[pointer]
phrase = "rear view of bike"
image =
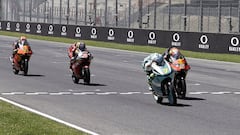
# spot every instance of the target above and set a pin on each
(80, 68)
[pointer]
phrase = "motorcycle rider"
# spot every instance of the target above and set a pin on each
(146, 64)
(19, 44)
(170, 53)
(74, 49)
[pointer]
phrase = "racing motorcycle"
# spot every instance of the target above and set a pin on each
(180, 66)
(21, 59)
(162, 82)
(81, 67)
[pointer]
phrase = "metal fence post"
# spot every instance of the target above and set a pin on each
(95, 12)
(169, 14)
(76, 17)
(60, 12)
(1, 11)
(129, 13)
(30, 11)
(85, 17)
(239, 16)
(201, 16)
(140, 4)
(24, 10)
(155, 14)
(45, 11)
(185, 16)
(68, 12)
(219, 16)
(52, 11)
(116, 12)
(106, 13)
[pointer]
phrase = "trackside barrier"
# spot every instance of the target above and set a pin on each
(193, 41)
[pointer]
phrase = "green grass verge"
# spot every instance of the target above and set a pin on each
(16, 121)
(139, 48)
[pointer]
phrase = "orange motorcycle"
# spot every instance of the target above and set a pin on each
(81, 67)
(180, 66)
(21, 59)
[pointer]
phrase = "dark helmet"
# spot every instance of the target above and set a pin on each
(82, 46)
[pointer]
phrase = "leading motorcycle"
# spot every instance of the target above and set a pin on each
(81, 67)
(162, 82)
(21, 59)
(180, 66)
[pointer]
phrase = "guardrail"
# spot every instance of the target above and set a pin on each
(193, 41)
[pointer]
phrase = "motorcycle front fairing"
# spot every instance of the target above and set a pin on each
(163, 74)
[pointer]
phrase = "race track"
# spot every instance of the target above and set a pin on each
(118, 101)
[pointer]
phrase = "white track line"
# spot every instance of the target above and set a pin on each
(48, 116)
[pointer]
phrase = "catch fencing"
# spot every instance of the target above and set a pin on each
(212, 16)
(196, 25)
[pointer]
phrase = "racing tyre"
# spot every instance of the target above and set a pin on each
(75, 79)
(87, 75)
(15, 71)
(158, 99)
(182, 93)
(180, 88)
(172, 95)
(25, 67)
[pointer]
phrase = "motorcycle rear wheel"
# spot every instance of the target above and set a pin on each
(75, 79)
(172, 98)
(25, 67)
(86, 76)
(158, 99)
(15, 71)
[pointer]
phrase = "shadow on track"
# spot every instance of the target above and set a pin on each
(177, 105)
(92, 84)
(192, 98)
(33, 75)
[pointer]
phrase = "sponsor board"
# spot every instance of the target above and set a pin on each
(234, 47)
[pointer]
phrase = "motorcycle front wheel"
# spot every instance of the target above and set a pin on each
(172, 95)
(181, 88)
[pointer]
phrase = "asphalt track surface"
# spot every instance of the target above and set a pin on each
(117, 102)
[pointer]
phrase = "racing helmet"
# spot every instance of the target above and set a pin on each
(173, 51)
(159, 59)
(82, 46)
(22, 38)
